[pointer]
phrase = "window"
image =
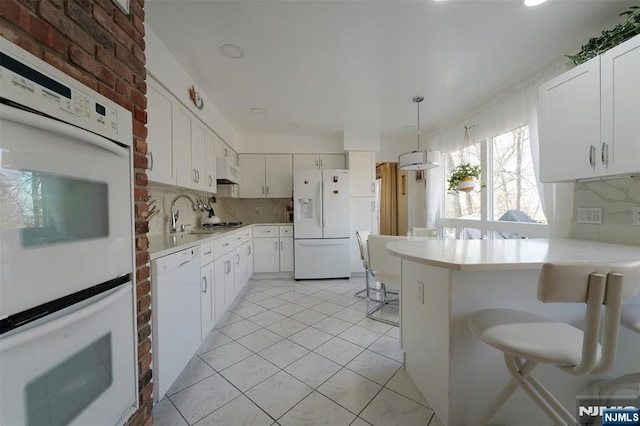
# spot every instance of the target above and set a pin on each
(509, 205)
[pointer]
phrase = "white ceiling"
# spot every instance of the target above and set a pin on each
(331, 65)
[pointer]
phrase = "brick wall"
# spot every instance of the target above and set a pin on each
(97, 44)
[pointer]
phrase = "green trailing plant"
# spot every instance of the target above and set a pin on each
(630, 27)
(462, 172)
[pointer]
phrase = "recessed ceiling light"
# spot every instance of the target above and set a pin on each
(295, 125)
(410, 127)
(232, 51)
(258, 110)
(533, 2)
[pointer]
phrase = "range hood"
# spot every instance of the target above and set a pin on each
(226, 172)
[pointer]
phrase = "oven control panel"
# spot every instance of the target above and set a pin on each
(32, 83)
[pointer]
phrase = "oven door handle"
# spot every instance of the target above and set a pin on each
(50, 125)
(46, 328)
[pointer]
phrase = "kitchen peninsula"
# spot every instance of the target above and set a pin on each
(443, 281)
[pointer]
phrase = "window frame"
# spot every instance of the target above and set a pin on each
(488, 227)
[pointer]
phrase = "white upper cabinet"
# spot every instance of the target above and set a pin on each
(318, 161)
(278, 176)
(362, 167)
(252, 167)
(589, 117)
(210, 179)
(159, 136)
(620, 71)
(266, 176)
(198, 154)
(182, 145)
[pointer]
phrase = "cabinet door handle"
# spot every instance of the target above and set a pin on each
(321, 165)
(267, 189)
(228, 267)
(373, 206)
(317, 165)
(193, 175)
(150, 161)
(226, 244)
(276, 246)
(248, 250)
(207, 252)
(205, 284)
(263, 189)
(210, 180)
(281, 243)
(604, 155)
(592, 156)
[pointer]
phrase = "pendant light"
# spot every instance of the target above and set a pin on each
(419, 160)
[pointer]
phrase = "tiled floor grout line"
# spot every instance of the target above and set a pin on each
(238, 306)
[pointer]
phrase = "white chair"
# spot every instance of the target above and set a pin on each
(630, 318)
(362, 237)
(528, 339)
(385, 269)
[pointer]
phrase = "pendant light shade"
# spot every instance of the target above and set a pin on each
(419, 160)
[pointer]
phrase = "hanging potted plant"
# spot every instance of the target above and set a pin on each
(463, 178)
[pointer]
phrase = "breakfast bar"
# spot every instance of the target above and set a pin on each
(444, 281)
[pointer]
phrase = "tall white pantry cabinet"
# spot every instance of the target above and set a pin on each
(362, 168)
(589, 117)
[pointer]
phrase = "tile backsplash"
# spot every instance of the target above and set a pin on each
(270, 210)
(616, 197)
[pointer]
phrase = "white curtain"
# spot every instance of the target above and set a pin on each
(511, 109)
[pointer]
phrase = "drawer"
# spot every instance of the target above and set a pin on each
(241, 238)
(206, 253)
(286, 230)
(265, 231)
(224, 245)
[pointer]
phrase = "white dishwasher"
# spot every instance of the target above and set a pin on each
(176, 315)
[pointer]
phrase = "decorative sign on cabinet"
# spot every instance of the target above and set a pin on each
(589, 118)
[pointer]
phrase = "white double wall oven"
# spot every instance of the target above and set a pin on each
(67, 310)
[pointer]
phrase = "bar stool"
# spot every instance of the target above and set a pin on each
(630, 318)
(528, 339)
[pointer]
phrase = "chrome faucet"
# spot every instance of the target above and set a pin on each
(175, 212)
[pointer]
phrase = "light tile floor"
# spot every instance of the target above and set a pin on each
(297, 353)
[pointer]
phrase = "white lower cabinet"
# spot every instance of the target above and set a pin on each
(267, 254)
(286, 254)
(207, 307)
(224, 283)
(273, 245)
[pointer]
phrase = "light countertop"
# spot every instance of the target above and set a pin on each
(479, 255)
(164, 244)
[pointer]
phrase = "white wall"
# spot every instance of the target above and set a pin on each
(302, 144)
(162, 65)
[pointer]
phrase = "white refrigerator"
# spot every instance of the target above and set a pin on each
(321, 224)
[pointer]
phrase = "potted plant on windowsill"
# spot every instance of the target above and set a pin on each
(463, 178)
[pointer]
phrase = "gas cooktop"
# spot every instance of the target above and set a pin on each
(210, 228)
(221, 225)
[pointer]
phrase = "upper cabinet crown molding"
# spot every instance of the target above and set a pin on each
(589, 118)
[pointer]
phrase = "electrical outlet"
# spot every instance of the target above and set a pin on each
(259, 210)
(591, 215)
(635, 214)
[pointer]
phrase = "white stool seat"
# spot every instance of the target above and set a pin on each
(529, 336)
(630, 317)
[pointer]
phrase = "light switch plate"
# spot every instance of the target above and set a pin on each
(635, 213)
(591, 215)
(420, 292)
